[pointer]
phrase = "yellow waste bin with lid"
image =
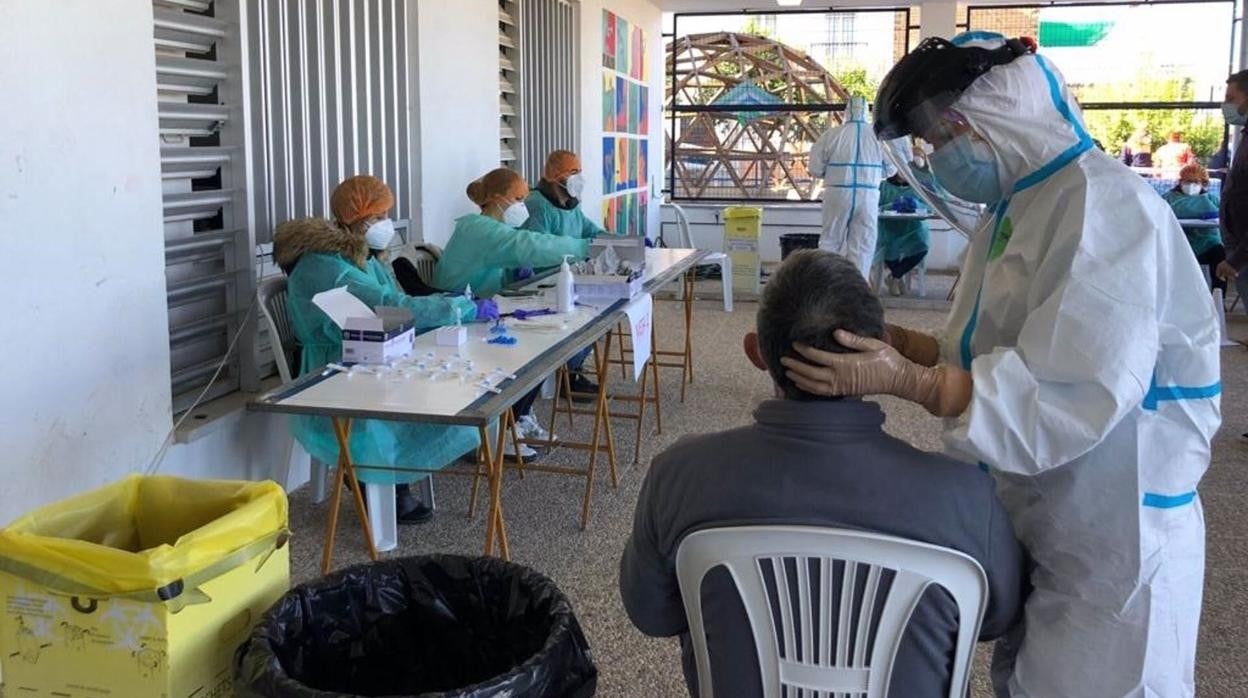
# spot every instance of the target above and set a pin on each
(743, 226)
(145, 587)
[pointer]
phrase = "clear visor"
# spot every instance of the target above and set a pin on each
(910, 156)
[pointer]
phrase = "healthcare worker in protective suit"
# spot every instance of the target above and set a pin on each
(902, 244)
(319, 255)
(487, 247)
(851, 162)
(555, 205)
(1079, 365)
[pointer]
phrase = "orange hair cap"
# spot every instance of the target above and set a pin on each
(360, 197)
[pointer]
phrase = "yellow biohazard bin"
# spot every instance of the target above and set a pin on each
(743, 227)
(141, 588)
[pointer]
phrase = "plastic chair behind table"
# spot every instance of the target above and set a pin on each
(272, 296)
(413, 270)
(413, 266)
(798, 586)
(721, 259)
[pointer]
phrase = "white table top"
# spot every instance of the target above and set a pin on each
(436, 384)
(916, 216)
(1199, 223)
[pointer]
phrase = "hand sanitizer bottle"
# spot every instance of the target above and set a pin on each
(563, 288)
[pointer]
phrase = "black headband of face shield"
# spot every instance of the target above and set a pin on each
(929, 79)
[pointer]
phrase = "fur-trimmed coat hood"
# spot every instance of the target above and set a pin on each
(293, 239)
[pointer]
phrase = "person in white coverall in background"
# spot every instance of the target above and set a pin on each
(851, 162)
(1079, 365)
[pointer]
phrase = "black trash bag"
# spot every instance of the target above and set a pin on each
(437, 625)
(793, 242)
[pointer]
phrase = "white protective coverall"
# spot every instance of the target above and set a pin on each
(1087, 327)
(851, 162)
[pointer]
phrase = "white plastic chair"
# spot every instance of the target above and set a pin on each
(423, 256)
(272, 296)
(720, 259)
(772, 565)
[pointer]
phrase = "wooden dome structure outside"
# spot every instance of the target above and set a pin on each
(725, 149)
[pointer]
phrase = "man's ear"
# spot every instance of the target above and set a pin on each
(752, 351)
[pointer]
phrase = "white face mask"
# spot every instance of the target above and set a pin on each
(575, 184)
(379, 234)
(516, 214)
(1191, 188)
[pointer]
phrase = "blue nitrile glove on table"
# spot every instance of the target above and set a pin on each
(906, 204)
(487, 309)
(524, 273)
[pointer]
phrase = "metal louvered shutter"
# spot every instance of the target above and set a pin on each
(330, 95)
(209, 251)
(550, 98)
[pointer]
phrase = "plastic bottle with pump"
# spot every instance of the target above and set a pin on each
(565, 297)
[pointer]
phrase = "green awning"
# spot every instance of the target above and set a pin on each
(1072, 34)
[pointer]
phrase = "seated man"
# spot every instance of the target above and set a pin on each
(816, 462)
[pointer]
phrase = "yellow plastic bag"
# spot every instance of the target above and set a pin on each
(141, 534)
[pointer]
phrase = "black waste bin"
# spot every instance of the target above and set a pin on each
(792, 242)
(437, 625)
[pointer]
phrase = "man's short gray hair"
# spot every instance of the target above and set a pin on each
(812, 295)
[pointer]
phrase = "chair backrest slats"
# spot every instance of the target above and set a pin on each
(828, 607)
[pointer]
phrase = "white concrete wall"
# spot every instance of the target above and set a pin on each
(456, 102)
(86, 385)
(939, 19)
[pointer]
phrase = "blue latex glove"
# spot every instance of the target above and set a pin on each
(1210, 216)
(487, 309)
(905, 204)
(524, 273)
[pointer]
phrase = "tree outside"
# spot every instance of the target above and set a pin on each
(1202, 130)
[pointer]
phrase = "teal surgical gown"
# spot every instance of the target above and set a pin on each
(546, 217)
(373, 442)
(1200, 206)
(899, 239)
(482, 250)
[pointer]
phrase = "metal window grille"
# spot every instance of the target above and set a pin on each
(331, 99)
(549, 75)
(209, 259)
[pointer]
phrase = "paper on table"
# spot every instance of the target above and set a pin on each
(640, 320)
(339, 304)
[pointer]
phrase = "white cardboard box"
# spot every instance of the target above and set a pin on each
(389, 336)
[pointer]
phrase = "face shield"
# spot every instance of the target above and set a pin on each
(917, 99)
(912, 162)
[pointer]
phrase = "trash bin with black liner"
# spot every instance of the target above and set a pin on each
(436, 625)
(791, 242)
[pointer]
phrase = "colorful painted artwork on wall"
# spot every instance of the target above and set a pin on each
(625, 126)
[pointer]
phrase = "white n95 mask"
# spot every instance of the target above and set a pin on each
(516, 214)
(575, 184)
(1191, 188)
(379, 234)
